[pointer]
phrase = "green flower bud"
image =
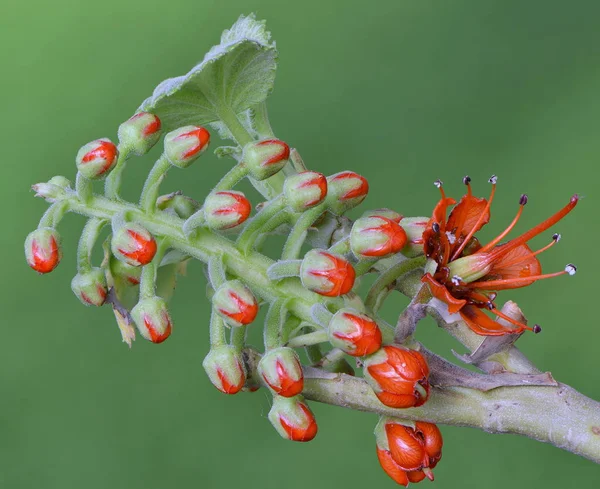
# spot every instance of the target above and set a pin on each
(140, 132)
(265, 158)
(345, 191)
(181, 205)
(225, 369)
(96, 159)
(280, 368)
(152, 319)
(42, 249)
(184, 145)
(226, 209)
(305, 190)
(90, 287)
(235, 303)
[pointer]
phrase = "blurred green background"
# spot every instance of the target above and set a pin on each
(404, 92)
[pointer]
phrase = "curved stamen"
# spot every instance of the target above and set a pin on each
(492, 284)
(540, 228)
(555, 239)
(458, 251)
(500, 237)
(513, 321)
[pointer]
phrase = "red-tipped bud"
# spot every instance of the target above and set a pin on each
(226, 209)
(384, 212)
(399, 376)
(124, 273)
(414, 227)
(133, 244)
(178, 204)
(408, 451)
(376, 236)
(235, 303)
(152, 319)
(293, 419)
(42, 249)
(90, 287)
(326, 274)
(345, 191)
(96, 159)
(281, 370)
(265, 158)
(225, 369)
(140, 132)
(184, 145)
(305, 190)
(354, 333)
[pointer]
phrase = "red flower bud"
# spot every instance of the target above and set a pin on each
(345, 191)
(281, 370)
(184, 145)
(226, 209)
(354, 333)
(384, 212)
(326, 274)
(235, 303)
(42, 249)
(134, 245)
(305, 190)
(376, 236)
(399, 376)
(408, 452)
(90, 287)
(293, 419)
(95, 160)
(265, 158)
(140, 132)
(152, 319)
(225, 369)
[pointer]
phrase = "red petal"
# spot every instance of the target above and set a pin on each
(463, 218)
(517, 263)
(441, 293)
(406, 448)
(479, 322)
(439, 212)
(391, 468)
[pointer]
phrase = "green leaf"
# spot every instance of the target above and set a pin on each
(233, 76)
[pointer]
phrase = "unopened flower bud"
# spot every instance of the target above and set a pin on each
(90, 287)
(265, 158)
(293, 419)
(408, 452)
(128, 274)
(414, 228)
(376, 236)
(305, 190)
(326, 274)
(235, 303)
(181, 205)
(96, 159)
(384, 212)
(52, 190)
(42, 249)
(345, 191)
(280, 368)
(226, 209)
(152, 319)
(354, 333)
(399, 376)
(225, 369)
(140, 132)
(184, 145)
(133, 244)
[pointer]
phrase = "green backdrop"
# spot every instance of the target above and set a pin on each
(401, 91)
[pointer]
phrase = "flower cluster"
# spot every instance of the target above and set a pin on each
(310, 295)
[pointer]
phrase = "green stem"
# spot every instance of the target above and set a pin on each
(237, 338)
(148, 281)
(248, 236)
(152, 185)
(341, 247)
(293, 245)
(112, 185)
(261, 121)
(196, 220)
(54, 214)
(89, 236)
(216, 271)
(232, 177)
(379, 290)
(284, 269)
(308, 339)
(217, 330)
(276, 317)
(83, 187)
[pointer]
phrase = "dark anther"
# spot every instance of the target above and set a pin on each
(490, 305)
(436, 227)
(467, 180)
(523, 200)
(438, 183)
(556, 237)
(493, 179)
(537, 328)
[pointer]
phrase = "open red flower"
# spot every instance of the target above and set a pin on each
(469, 274)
